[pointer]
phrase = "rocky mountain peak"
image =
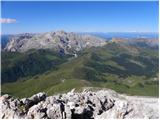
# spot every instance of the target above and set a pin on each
(61, 32)
(103, 104)
(68, 43)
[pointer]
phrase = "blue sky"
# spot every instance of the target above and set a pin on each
(80, 16)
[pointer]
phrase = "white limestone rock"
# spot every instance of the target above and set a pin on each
(102, 104)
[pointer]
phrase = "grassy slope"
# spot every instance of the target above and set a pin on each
(16, 66)
(50, 82)
(113, 66)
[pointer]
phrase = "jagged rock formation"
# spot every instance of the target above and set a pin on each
(59, 41)
(87, 104)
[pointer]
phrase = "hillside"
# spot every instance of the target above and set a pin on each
(16, 66)
(122, 67)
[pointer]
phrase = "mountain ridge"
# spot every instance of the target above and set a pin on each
(68, 43)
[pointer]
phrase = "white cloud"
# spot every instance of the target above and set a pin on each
(7, 20)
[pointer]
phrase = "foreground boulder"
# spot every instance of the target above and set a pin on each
(101, 104)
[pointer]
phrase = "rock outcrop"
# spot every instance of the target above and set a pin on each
(101, 104)
(69, 43)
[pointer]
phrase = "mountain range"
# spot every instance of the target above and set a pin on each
(56, 62)
(59, 41)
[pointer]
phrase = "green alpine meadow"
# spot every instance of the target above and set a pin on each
(126, 68)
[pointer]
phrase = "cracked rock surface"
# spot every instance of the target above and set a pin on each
(102, 104)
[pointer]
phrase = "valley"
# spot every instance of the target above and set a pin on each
(118, 64)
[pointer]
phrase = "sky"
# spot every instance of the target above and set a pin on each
(20, 17)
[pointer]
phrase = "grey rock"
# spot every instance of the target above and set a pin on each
(54, 112)
(68, 113)
(36, 112)
(6, 96)
(102, 104)
(65, 43)
(38, 97)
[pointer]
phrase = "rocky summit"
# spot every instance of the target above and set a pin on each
(68, 43)
(102, 104)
